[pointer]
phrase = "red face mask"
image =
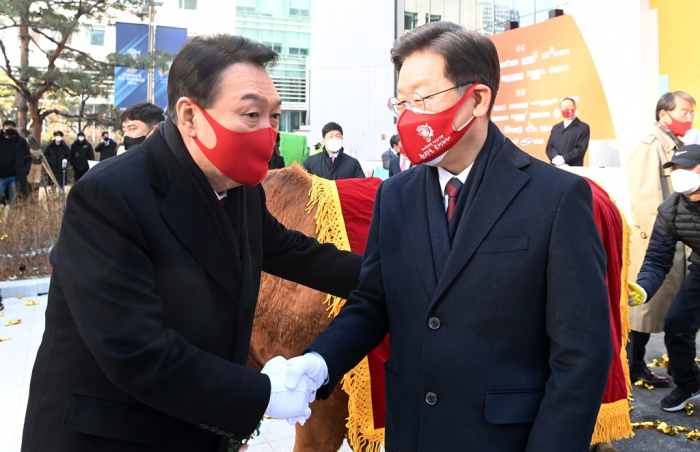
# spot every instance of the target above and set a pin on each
(679, 128)
(568, 113)
(242, 157)
(426, 138)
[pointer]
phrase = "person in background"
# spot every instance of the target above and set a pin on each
(107, 147)
(333, 163)
(138, 123)
(392, 152)
(80, 152)
(650, 184)
(277, 161)
(568, 141)
(55, 153)
(401, 163)
(677, 222)
(15, 161)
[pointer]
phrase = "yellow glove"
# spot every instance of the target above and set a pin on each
(637, 294)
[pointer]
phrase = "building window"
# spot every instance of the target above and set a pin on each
(296, 51)
(95, 35)
(410, 20)
(187, 4)
(276, 46)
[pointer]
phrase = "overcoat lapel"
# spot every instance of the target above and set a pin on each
(502, 181)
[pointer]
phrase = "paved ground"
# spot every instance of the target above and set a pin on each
(17, 358)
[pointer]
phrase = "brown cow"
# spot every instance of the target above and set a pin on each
(289, 316)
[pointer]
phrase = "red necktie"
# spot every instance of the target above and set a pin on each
(452, 190)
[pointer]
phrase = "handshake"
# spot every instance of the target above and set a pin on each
(293, 386)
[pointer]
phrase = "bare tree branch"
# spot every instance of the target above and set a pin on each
(10, 85)
(98, 63)
(8, 70)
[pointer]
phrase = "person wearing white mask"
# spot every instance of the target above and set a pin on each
(333, 163)
(56, 151)
(677, 222)
(80, 152)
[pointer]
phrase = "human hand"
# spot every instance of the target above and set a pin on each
(637, 294)
(288, 403)
(311, 365)
(558, 160)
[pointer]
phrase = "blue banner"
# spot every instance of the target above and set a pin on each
(130, 83)
(169, 39)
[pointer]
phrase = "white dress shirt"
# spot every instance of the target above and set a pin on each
(444, 176)
(567, 122)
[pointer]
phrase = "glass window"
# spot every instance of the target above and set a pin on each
(95, 35)
(187, 4)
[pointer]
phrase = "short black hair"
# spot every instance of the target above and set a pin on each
(331, 126)
(104, 131)
(469, 57)
(58, 133)
(9, 122)
(81, 133)
(394, 140)
(567, 98)
(667, 102)
(197, 67)
(146, 112)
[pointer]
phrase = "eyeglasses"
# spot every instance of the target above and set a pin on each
(415, 102)
(689, 115)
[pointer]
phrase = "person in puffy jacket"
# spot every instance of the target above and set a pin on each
(678, 220)
(80, 152)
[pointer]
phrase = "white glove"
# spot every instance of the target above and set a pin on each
(288, 403)
(311, 365)
(691, 137)
(558, 160)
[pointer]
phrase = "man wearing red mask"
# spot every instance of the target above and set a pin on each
(650, 184)
(568, 141)
(157, 271)
(498, 320)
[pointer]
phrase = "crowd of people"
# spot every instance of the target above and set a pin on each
(470, 238)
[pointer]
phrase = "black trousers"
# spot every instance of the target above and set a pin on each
(680, 329)
(78, 174)
(636, 349)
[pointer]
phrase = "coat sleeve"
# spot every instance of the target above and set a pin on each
(644, 180)
(25, 162)
(658, 260)
(148, 361)
(363, 322)
(359, 172)
(551, 151)
(293, 256)
(581, 146)
(386, 158)
(578, 325)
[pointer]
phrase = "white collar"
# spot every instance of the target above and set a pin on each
(444, 176)
(221, 196)
(567, 122)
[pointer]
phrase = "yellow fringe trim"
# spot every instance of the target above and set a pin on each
(624, 302)
(330, 228)
(613, 422)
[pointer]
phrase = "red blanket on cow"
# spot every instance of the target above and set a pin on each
(343, 218)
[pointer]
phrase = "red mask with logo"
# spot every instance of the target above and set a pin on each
(426, 138)
(568, 113)
(240, 156)
(679, 128)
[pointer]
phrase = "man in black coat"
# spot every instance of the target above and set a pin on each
(568, 141)
(80, 152)
(332, 162)
(399, 163)
(55, 152)
(392, 152)
(677, 221)
(107, 148)
(157, 271)
(493, 295)
(15, 161)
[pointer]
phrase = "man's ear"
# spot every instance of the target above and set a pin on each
(482, 97)
(185, 109)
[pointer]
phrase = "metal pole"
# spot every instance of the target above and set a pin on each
(493, 18)
(151, 48)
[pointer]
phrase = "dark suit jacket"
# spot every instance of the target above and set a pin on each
(387, 156)
(106, 150)
(151, 306)
(570, 142)
(344, 167)
(500, 340)
(395, 166)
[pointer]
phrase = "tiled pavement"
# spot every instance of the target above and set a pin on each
(17, 359)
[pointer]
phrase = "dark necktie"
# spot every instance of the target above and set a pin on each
(452, 190)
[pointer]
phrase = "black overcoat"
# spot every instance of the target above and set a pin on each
(344, 167)
(151, 305)
(569, 142)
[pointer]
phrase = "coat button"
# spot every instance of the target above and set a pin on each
(431, 398)
(204, 426)
(644, 235)
(213, 429)
(434, 323)
(221, 432)
(229, 435)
